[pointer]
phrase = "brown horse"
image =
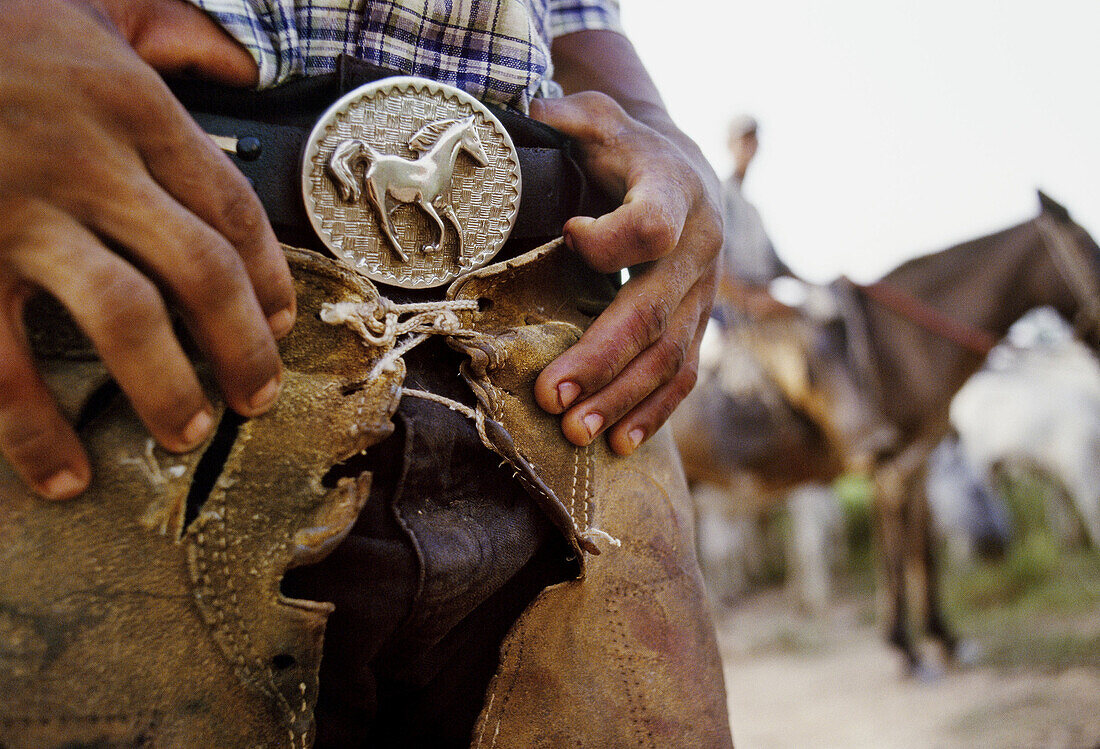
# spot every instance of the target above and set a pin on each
(913, 340)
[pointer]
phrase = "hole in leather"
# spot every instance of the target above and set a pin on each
(353, 388)
(283, 661)
(484, 304)
(350, 468)
(211, 465)
(97, 403)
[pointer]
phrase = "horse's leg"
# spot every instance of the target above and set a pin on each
(904, 495)
(891, 538)
(451, 216)
(380, 201)
(938, 627)
(893, 483)
(430, 210)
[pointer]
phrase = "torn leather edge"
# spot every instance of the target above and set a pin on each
(475, 372)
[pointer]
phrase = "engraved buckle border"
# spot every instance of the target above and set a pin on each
(349, 212)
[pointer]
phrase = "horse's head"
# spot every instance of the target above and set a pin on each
(470, 141)
(1076, 257)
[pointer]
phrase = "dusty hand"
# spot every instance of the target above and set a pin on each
(639, 359)
(114, 202)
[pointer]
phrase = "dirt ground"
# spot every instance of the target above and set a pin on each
(829, 681)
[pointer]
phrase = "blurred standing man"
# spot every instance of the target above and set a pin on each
(119, 206)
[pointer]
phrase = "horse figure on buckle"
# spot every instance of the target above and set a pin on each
(393, 180)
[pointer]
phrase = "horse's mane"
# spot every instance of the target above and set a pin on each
(938, 270)
(425, 137)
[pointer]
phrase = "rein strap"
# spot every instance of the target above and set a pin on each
(897, 299)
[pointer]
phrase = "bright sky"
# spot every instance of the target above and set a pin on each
(888, 129)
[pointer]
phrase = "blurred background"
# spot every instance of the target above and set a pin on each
(888, 130)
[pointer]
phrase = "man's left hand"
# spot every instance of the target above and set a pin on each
(639, 358)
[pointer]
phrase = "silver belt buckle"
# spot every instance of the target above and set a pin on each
(411, 182)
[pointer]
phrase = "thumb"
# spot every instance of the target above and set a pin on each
(590, 117)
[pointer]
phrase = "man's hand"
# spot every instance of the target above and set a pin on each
(639, 359)
(118, 205)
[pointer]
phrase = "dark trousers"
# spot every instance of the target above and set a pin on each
(446, 555)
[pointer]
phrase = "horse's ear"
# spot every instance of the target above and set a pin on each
(1049, 205)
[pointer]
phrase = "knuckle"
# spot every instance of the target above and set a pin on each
(173, 407)
(600, 104)
(129, 307)
(260, 355)
(711, 226)
(607, 370)
(682, 384)
(215, 275)
(670, 354)
(30, 442)
(673, 395)
(605, 119)
(139, 94)
(646, 322)
(656, 231)
(238, 212)
(94, 196)
(13, 388)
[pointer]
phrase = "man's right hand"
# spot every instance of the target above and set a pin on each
(117, 204)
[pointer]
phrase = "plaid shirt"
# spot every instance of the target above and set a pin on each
(495, 50)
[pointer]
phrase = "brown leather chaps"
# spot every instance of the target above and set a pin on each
(496, 587)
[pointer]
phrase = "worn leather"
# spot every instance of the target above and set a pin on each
(125, 622)
(531, 309)
(625, 655)
(123, 625)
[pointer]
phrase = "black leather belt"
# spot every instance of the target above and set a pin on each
(270, 129)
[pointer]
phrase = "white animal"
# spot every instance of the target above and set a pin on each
(1037, 403)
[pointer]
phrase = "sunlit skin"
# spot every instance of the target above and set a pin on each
(160, 217)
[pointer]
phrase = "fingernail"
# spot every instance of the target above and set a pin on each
(635, 437)
(281, 322)
(197, 429)
(593, 422)
(62, 485)
(567, 393)
(265, 396)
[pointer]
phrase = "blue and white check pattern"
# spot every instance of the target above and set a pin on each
(495, 50)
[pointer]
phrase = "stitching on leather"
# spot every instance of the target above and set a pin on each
(628, 672)
(587, 485)
(499, 396)
(573, 491)
(485, 722)
(508, 691)
(518, 474)
(205, 558)
(519, 643)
